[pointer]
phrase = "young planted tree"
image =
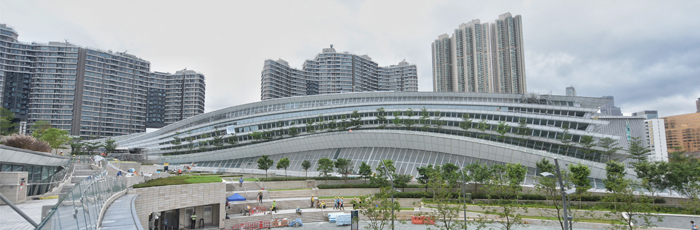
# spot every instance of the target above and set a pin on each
(232, 140)
(190, 142)
(408, 122)
(685, 179)
(505, 184)
(466, 123)
(355, 120)
(343, 124)
(381, 117)
(218, 139)
(39, 127)
(92, 146)
(381, 178)
(293, 131)
(614, 173)
(325, 166)
(655, 176)
(565, 139)
(523, 131)
(321, 123)
(365, 171)
(7, 125)
(609, 146)
(637, 149)
(344, 167)
(483, 126)
(377, 209)
(176, 140)
(633, 209)
(110, 145)
(548, 187)
(55, 137)
(587, 144)
(332, 124)
(443, 213)
(310, 126)
(480, 174)
(257, 136)
(437, 121)
(306, 165)
(397, 121)
(283, 164)
(579, 177)
(401, 181)
(424, 119)
(449, 174)
(424, 175)
(76, 146)
(268, 134)
(265, 163)
(502, 130)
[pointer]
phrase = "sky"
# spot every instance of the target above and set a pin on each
(644, 53)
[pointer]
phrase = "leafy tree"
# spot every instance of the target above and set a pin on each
(480, 174)
(483, 126)
(523, 130)
(444, 214)
(614, 173)
(7, 124)
(401, 180)
(381, 177)
(502, 129)
(92, 146)
(343, 124)
(265, 163)
(190, 140)
(637, 149)
(544, 166)
(587, 145)
(633, 209)
(377, 209)
(268, 134)
(310, 127)
(218, 139)
(547, 186)
(408, 122)
(579, 177)
(76, 146)
(257, 136)
(685, 179)
(283, 164)
(678, 155)
(466, 123)
(504, 183)
(424, 119)
(332, 124)
(321, 123)
(233, 139)
(355, 120)
(365, 171)
(110, 145)
(655, 176)
(306, 165)
(202, 144)
(344, 167)
(424, 175)
(397, 119)
(293, 131)
(438, 120)
(39, 127)
(565, 138)
(325, 166)
(449, 173)
(609, 146)
(176, 140)
(381, 117)
(55, 137)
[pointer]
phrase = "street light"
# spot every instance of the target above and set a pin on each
(464, 195)
(392, 192)
(563, 193)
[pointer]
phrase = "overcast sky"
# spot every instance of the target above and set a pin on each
(645, 53)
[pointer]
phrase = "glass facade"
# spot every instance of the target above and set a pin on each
(683, 131)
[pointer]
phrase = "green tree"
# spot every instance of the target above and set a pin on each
(283, 164)
(7, 125)
(655, 176)
(310, 126)
(587, 143)
(480, 174)
(502, 130)
(218, 139)
(325, 166)
(684, 178)
(76, 146)
(547, 186)
(424, 119)
(449, 174)
(408, 121)
(579, 177)
(381, 177)
(401, 181)
(55, 137)
(381, 117)
(306, 165)
(444, 214)
(397, 119)
(544, 166)
(614, 173)
(344, 167)
(523, 131)
(265, 163)
(377, 209)
(355, 120)
(437, 121)
(257, 136)
(424, 175)
(634, 210)
(365, 171)
(233, 139)
(268, 134)
(466, 123)
(176, 140)
(609, 146)
(321, 123)
(110, 145)
(678, 155)
(39, 127)
(505, 184)
(343, 124)
(92, 146)
(190, 141)
(637, 149)
(293, 131)
(332, 124)
(565, 139)
(483, 126)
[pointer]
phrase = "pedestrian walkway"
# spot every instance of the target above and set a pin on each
(10, 220)
(122, 214)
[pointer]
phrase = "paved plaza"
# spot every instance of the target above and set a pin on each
(10, 220)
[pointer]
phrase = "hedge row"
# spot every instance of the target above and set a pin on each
(324, 186)
(530, 197)
(302, 178)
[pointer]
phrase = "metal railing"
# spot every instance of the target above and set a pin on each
(80, 208)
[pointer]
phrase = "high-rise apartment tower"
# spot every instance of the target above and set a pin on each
(92, 92)
(481, 57)
(332, 72)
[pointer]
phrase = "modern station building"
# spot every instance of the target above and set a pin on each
(412, 128)
(92, 92)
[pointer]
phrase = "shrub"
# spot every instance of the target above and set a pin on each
(323, 186)
(176, 180)
(28, 143)
(301, 178)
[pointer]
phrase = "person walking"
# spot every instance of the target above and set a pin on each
(260, 196)
(240, 182)
(193, 220)
(341, 204)
(693, 226)
(312, 201)
(274, 206)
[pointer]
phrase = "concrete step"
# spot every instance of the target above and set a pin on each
(77, 179)
(307, 217)
(66, 188)
(292, 193)
(82, 167)
(84, 172)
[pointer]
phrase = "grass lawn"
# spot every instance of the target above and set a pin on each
(176, 180)
(249, 179)
(345, 197)
(289, 189)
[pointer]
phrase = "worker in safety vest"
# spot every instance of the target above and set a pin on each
(194, 220)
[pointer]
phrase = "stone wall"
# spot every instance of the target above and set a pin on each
(163, 198)
(10, 186)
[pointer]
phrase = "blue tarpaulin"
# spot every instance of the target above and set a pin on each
(235, 197)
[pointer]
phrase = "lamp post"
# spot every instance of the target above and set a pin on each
(563, 193)
(464, 196)
(392, 193)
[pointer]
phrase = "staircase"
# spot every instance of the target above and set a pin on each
(81, 172)
(307, 217)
